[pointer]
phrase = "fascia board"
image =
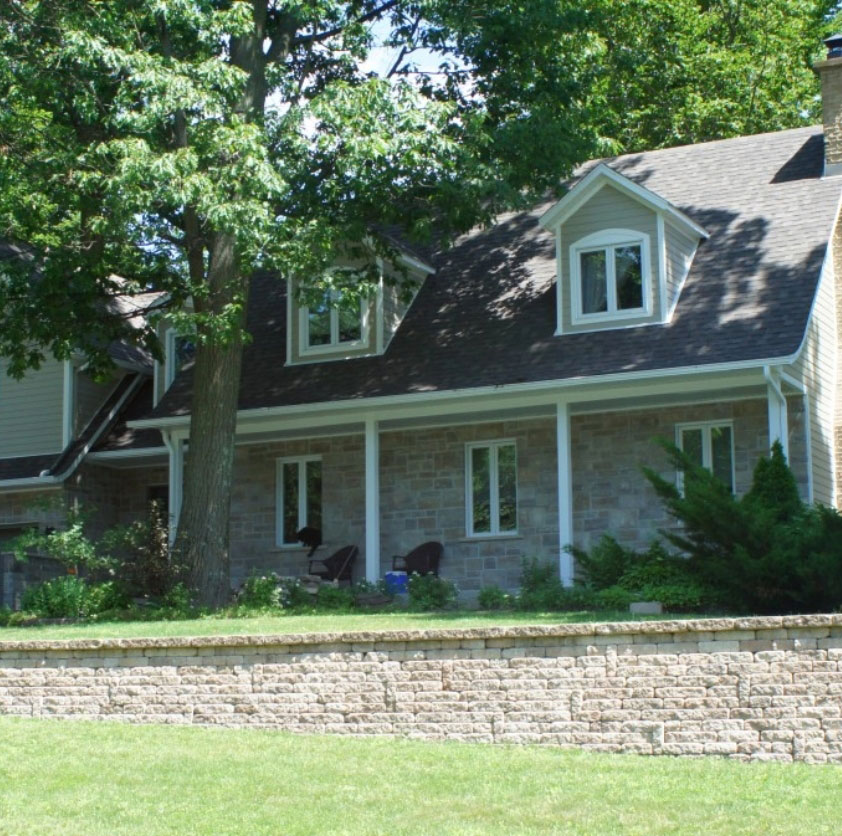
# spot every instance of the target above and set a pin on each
(595, 180)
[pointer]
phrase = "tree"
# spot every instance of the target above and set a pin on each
(184, 144)
(673, 72)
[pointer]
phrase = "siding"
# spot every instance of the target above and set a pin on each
(816, 367)
(680, 250)
(90, 396)
(30, 411)
(609, 209)
(394, 309)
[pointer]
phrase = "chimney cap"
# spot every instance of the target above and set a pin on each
(834, 45)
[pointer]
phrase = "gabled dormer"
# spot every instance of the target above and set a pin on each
(622, 253)
(327, 329)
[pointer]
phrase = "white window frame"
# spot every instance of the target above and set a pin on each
(707, 447)
(494, 482)
(335, 344)
(609, 239)
(302, 462)
(170, 371)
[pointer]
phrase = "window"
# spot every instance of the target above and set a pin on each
(330, 324)
(610, 275)
(710, 445)
(298, 497)
(491, 470)
(180, 351)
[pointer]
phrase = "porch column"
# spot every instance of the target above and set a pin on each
(372, 501)
(776, 401)
(175, 446)
(565, 492)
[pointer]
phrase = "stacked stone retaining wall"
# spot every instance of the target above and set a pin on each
(754, 688)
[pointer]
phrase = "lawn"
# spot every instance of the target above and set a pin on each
(219, 625)
(61, 777)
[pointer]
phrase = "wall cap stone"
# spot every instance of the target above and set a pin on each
(613, 628)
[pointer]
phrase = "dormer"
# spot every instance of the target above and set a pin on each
(327, 329)
(622, 253)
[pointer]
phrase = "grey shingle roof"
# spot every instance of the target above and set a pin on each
(487, 316)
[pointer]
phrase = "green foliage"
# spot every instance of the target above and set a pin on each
(335, 598)
(540, 586)
(72, 597)
(71, 546)
(494, 598)
(178, 600)
(614, 597)
(429, 592)
(765, 552)
(260, 592)
(144, 561)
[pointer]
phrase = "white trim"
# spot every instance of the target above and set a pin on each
(707, 446)
(379, 325)
(808, 444)
(175, 482)
(416, 264)
(605, 240)
(662, 265)
(131, 453)
(777, 411)
(301, 462)
(598, 177)
(559, 283)
(68, 403)
(335, 344)
(688, 263)
(290, 313)
(565, 492)
(372, 500)
(426, 398)
(493, 446)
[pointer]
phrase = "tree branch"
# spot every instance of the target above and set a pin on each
(405, 48)
(318, 37)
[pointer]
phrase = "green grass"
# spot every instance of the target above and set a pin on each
(218, 625)
(98, 779)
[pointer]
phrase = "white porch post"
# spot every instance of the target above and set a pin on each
(776, 401)
(565, 492)
(68, 403)
(175, 446)
(372, 501)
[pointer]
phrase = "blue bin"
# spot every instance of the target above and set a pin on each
(396, 583)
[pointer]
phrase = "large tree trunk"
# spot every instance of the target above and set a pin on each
(202, 540)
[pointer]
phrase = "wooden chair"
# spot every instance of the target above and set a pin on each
(423, 559)
(337, 567)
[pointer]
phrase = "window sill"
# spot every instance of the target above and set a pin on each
(479, 538)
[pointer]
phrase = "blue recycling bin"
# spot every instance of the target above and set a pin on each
(396, 583)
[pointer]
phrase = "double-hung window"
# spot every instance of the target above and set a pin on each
(298, 497)
(491, 489)
(329, 324)
(711, 445)
(610, 276)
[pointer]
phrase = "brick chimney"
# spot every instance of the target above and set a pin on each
(830, 73)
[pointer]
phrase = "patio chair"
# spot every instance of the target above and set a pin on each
(337, 567)
(423, 559)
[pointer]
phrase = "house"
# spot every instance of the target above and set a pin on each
(692, 293)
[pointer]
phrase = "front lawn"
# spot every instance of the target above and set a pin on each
(220, 625)
(61, 777)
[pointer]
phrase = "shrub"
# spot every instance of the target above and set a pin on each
(614, 597)
(334, 598)
(429, 592)
(540, 586)
(72, 597)
(261, 591)
(766, 552)
(494, 598)
(605, 563)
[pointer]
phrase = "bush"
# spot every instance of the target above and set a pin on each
(540, 586)
(765, 552)
(72, 597)
(260, 591)
(494, 598)
(334, 598)
(429, 592)
(614, 597)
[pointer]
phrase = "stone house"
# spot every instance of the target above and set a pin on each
(691, 293)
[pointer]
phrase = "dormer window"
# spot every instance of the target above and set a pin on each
(329, 325)
(610, 276)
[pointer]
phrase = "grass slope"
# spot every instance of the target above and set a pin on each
(321, 623)
(61, 777)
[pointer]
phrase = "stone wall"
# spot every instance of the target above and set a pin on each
(750, 689)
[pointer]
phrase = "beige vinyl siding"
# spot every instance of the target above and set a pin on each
(31, 411)
(816, 367)
(90, 396)
(394, 309)
(609, 208)
(680, 249)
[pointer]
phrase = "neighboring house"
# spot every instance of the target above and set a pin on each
(692, 293)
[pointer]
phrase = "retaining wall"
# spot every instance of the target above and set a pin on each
(754, 688)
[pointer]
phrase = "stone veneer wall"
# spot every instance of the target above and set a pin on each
(750, 689)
